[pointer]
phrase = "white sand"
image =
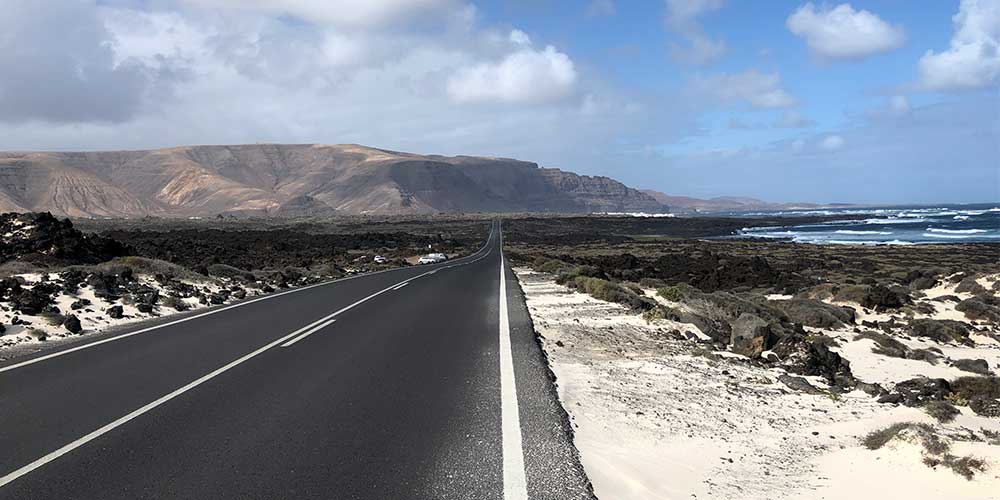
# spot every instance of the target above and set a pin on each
(655, 418)
(93, 317)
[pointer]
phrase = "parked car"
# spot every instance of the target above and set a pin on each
(380, 259)
(432, 258)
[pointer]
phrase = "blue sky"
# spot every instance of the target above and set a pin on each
(875, 102)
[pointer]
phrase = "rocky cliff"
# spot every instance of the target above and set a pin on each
(274, 179)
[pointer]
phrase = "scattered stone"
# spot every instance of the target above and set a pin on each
(987, 407)
(942, 330)
(72, 324)
(751, 336)
(799, 384)
(921, 390)
(979, 366)
(116, 312)
(144, 308)
(816, 313)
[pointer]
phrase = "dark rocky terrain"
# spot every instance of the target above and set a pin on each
(723, 287)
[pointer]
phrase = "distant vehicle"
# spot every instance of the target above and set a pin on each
(380, 259)
(432, 258)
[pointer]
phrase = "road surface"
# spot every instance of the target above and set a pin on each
(421, 382)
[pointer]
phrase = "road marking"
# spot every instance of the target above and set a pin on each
(239, 304)
(304, 331)
(401, 286)
(7, 479)
(308, 333)
(515, 485)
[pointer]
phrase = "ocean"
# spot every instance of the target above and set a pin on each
(903, 225)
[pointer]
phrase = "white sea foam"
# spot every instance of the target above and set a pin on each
(894, 221)
(961, 217)
(849, 231)
(956, 231)
(960, 236)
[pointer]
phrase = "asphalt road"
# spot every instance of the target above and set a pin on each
(423, 382)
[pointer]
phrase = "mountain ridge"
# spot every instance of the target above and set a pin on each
(683, 204)
(300, 179)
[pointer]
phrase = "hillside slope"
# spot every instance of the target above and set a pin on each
(276, 179)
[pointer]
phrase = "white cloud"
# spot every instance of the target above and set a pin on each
(524, 76)
(518, 37)
(832, 143)
(844, 33)
(348, 13)
(57, 74)
(599, 8)
(973, 58)
(761, 90)
(683, 19)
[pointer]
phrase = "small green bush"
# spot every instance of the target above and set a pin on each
(611, 292)
(942, 411)
(672, 293)
(53, 319)
(174, 302)
(931, 442)
(968, 388)
(552, 266)
(885, 345)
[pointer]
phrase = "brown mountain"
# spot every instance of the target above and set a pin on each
(681, 204)
(278, 179)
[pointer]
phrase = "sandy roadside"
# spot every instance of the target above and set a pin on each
(658, 417)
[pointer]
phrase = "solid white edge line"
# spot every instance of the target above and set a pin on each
(210, 312)
(515, 484)
(7, 479)
(310, 332)
(401, 286)
(18, 473)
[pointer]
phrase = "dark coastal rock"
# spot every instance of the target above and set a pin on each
(987, 407)
(144, 308)
(804, 356)
(3, 329)
(872, 389)
(72, 279)
(239, 294)
(947, 298)
(799, 384)
(30, 301)
(979, 366)
(9, 286)
(718, 330)
(72, 324)
(751, 336)
(941, 330)
(815, 313)
(43, 239)
(79, 304)
(116, 312)
(881, 298)
(920, 390)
